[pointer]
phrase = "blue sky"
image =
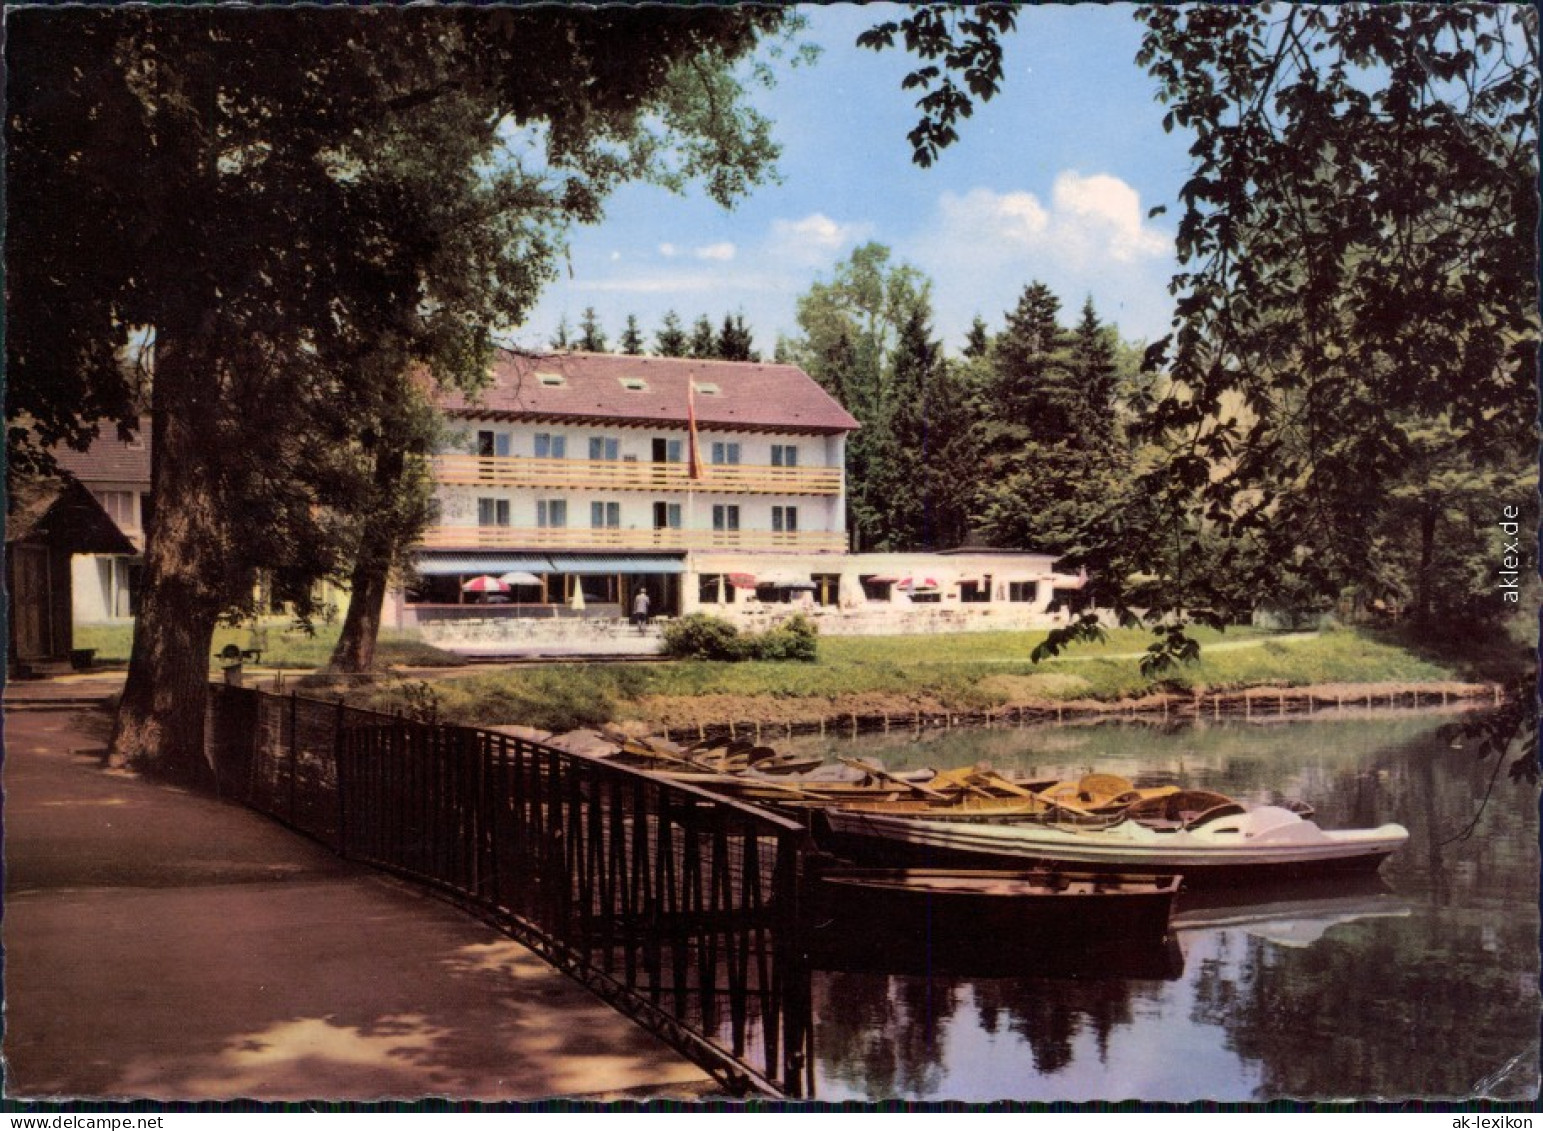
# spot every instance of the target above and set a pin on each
(1051, 181)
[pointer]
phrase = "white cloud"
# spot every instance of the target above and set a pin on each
(721, 252)
(1108, 209)
(1088, 236)
(815, 239)
(668, 249)
(1090, 220)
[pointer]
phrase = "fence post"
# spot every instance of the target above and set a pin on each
(294, 750)
(337, 777)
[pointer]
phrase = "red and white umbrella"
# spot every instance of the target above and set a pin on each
(917, 584)
(484, 584)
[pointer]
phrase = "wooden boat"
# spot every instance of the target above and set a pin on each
(985, 913)
(1222, 847)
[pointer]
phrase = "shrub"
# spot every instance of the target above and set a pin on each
(703, 637)
(794, 639)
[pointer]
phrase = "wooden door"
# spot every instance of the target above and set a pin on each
(31, 600)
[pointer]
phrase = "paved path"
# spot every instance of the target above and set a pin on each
(165, 945)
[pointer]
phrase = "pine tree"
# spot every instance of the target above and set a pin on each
(632, 337)
(562, 337)
(977, 342)
(735, 340)
(591, 336)
(670, 339)
(1093, 375)
(704, 343)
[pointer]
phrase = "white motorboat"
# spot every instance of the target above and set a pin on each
(1227, 845)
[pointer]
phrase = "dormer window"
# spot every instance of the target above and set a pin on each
(633, 384)
(708, 388)
(551, 380)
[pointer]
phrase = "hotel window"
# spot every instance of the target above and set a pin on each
(492, 512)
(551, 513)
(666, 516)
(725, 516)
(605, 515)
(1022, 591)
(784, 455)
(725, 452)
(784, 520)
(551, 446)
(666, 450)
(604, 447)
(492, 443)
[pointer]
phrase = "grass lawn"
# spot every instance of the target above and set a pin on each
(966, 671)
(282, 646)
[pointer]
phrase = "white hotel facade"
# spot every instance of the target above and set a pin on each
(574, 473)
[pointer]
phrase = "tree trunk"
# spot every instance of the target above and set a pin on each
(159, 726)
(355, 650)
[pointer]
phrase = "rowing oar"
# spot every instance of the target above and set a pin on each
(881, 772)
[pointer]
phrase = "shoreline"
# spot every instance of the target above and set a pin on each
(767, 716)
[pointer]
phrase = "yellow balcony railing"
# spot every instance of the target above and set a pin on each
(612, 538)
(619, 475)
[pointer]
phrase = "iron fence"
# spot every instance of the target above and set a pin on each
(679, 907)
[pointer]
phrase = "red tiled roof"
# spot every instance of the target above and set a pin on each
(750, 395)
(109, 459)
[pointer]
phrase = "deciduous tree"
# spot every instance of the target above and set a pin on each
(258, 208)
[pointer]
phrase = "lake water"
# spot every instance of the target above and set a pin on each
(1422, 985)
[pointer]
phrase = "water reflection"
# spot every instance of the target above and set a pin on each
(1423, 983)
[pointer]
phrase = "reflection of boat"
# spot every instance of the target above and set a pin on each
(1293, 915)
(1226, 846)
(978, 916)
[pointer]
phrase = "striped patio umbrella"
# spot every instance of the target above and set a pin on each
(484, 584)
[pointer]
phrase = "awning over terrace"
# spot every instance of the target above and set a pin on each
(440, 565)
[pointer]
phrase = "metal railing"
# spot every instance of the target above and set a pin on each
(679, 907)
(620, 475)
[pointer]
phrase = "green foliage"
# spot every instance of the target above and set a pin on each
(735, 341)
(1355, 322)
(670, 339)
(700, 636)
(703, 343)
(950, 39)
(794, 639)
(632, 337)
(555, 699)
(591, 336)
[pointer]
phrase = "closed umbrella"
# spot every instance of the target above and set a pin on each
(578, 596)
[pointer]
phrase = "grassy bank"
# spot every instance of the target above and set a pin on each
(282, 646)
(964, 672)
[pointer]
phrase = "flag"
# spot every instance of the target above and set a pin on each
(696, 470)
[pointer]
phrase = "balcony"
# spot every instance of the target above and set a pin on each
(612, 538)
(614, 475)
